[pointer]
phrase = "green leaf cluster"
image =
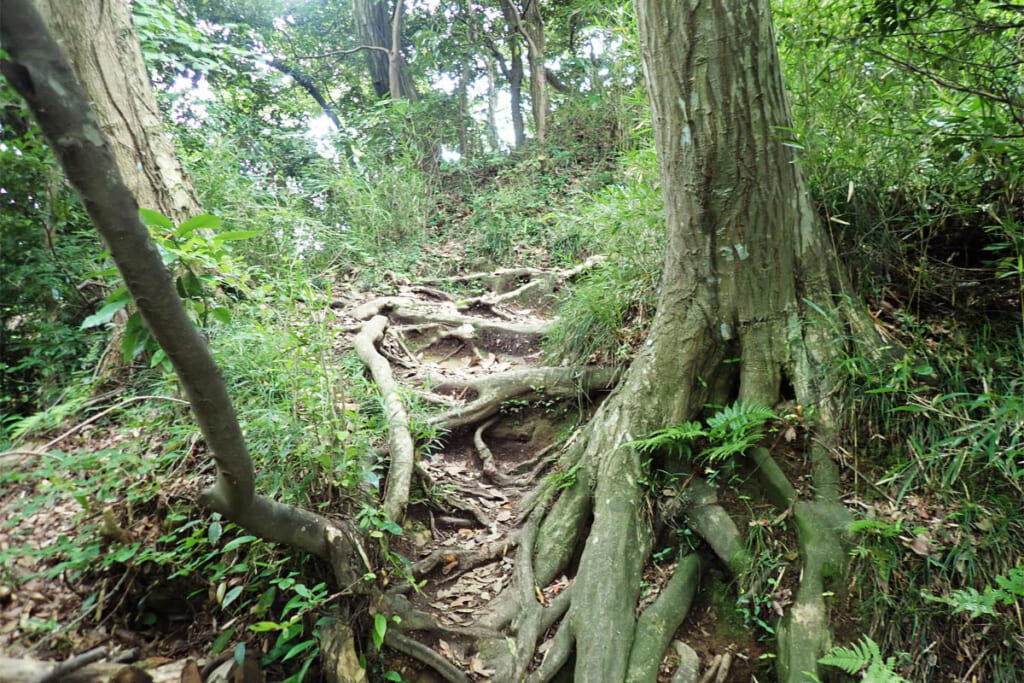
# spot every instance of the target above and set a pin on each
(731, 431)
(865, 658)
(203, 268)
(974, 603)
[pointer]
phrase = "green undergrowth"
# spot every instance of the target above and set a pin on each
(936, 454)
(323, 221)
(508, 210)
(47, 252)
(310, 419)
(608, 312)
(913, 149)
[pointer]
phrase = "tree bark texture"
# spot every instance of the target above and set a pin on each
(532, 26)
(395, 56)
(745, 249)
(747, 269)
(101, 43)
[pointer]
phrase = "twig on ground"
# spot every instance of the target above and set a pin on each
(61, 670)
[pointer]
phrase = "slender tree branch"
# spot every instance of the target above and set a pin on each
(1012, 103)
(335, 53)
(310, 87)
(552, 78)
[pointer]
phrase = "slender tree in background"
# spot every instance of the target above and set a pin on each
(513, 69)
(380, 34)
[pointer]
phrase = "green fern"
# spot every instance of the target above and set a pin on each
(678, 440)
(864, 657)
(734, 429)
(740, 415)
(1012, 583)
(730, 431)
(977, 603)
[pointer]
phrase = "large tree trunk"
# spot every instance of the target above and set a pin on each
(103, 48)
(747, 272)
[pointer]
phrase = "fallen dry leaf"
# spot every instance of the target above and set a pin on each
(476, 665)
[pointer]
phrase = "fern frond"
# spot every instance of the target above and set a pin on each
(1013, 582)
(864, 656)
(740, 415)
(855, 658)
(676, 438)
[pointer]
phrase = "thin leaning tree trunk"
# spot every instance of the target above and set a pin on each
(38, 71)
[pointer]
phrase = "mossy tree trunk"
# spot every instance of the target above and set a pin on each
(748, 272)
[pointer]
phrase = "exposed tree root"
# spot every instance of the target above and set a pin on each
(463, 333)
(422, 653)
(491, 470)
(464, 559)
(711, 522)
(718, 672)
(410, 619)
(464, 505)
(506, 280)
(540, 283)
(659, 622)
(64, 669)
(493, 390)
(591, 516)
(556, 656)
(491, 280)
(492, 333)
(400, 444)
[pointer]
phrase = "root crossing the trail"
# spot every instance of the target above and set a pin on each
(534, 537)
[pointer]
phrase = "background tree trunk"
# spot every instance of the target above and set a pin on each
(374, 27)
(532, 27)
(492, 107)
(104, 51)
(514, 72)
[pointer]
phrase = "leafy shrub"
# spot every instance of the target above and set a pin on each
(48, 250)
